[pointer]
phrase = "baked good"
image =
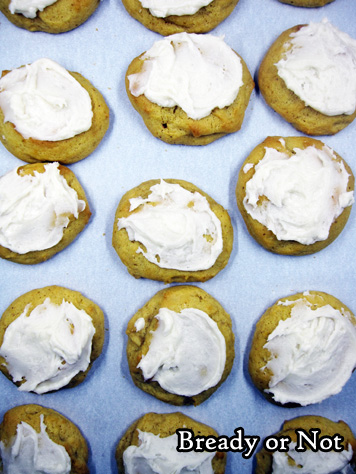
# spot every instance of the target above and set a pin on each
(48, 210)
(303, 349)
(295, 194)
(167, 19)
(185, 328)
(53, 437)
(307, 3)
(164, 426)
(51, 16)
(308, 76)
(65, 133)
(49, 339)
(190, 89)
(170, 230)
(306, 461)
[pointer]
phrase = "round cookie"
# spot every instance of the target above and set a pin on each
(173, 125)
(259, 230)
(135, 261)
(288, 343)
(56, 294)
(165, 425)
(285, 102)
(290, 428)
(175, 299)
(65, 151)
(59, 429)
(75, 226)
(61, 16)
(307, 3)
(204, 20)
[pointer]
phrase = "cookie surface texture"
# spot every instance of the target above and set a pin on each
(175, 299)
(204, 20)
(61, 16)
(327, 427)
(64, 151)
(29, 301)
(307, 3)
(286, 238)
(291, 319)
(173, 124)
(59, 429)
(165, 425)
(288, 104)
(70, 232)
(132, 255)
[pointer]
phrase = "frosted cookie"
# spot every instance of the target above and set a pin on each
(170, 230)
(311, 329)
(49, 339)
(152, 441)
(185, 328)
(295, 194)
(34, 439)
(51, 16)
(167, 18)
(190, 89)
(308, 76)
(66, 116)
(307, 3)
(307, 461)
(42, 209)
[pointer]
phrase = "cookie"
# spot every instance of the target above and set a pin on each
(163, 427)
(307, 3)
(160, 337)
(306, 82)
(48, 207)
(50, 338)
(200, 97)
(170, 230)
(303, 349)
(295, 194)
(57, 17)
(168, 21)
(51, 133)
(329, 461)
(34, 428)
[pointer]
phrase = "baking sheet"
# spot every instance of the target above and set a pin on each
(108, 402)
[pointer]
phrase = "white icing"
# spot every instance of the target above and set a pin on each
(160, 456)
(139, 324)
(196, 72)
(320, 68)
(43, 101)
(187, 352)
(30, 452)
(164, 8)
(309, 462)
(313, 354)
(48, 346)
(35, 209)
(29, 8)
(304, 193)
(177, 228)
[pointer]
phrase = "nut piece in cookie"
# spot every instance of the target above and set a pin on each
(190, 89)
(199, 16)
(299, 332)
(295, 431)
(66, 116)
(295, 194)
(51, 16)
(42, 209)
(156, 433)
(308, 76)
(180, 345)
(43, 438)
(170, 230)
